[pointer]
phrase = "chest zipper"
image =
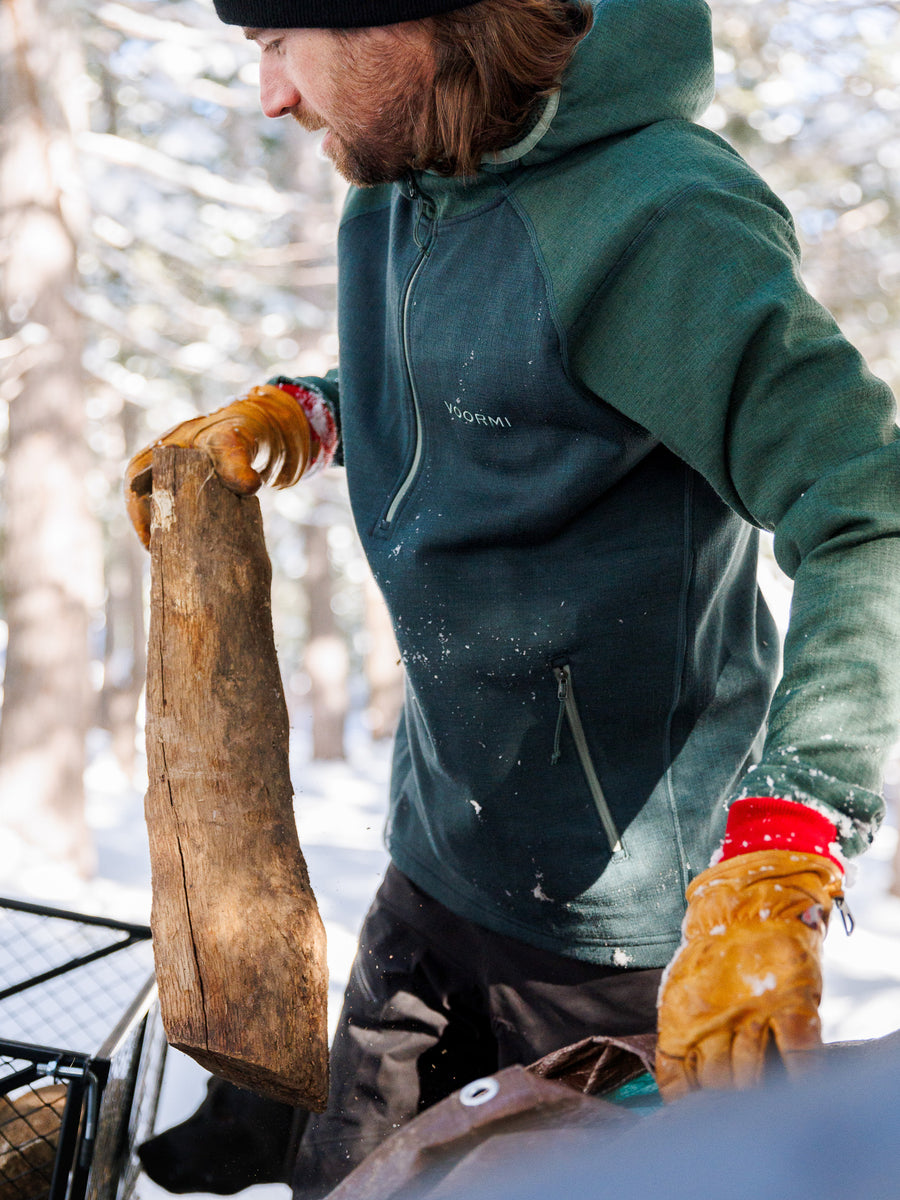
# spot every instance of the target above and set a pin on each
(424, 208)
(568, 709)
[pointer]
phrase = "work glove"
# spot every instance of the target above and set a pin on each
(263, 437)
(747, 979)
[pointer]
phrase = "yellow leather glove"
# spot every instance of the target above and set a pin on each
(266, 422)
(748, 970)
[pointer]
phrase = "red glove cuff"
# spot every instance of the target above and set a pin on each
(768, 823)
(324, 437)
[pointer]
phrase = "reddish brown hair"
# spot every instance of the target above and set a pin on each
(493, 59)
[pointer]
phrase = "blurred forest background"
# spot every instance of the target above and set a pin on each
(163, 246)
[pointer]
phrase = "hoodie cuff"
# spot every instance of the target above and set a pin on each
(767, 823)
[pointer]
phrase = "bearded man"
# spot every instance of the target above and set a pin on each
(578, 373)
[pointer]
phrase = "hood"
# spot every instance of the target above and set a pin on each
(642, 61)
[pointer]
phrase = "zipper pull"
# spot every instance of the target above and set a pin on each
(425, 208)
(562, 693)
(840, 903)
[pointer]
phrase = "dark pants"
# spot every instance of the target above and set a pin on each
(434, 1001)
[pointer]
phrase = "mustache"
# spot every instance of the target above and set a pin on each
(309, 120)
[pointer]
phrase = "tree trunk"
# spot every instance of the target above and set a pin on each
(240, 947)
(126, 636)
(326, 657)
(126, 641)
(51, 566)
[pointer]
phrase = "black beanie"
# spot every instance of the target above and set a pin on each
(328, 14)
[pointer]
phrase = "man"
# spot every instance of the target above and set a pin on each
(577, 371)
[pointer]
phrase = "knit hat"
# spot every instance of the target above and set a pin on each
(328, 14)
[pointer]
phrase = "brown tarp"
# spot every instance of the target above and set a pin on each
(491, 1124)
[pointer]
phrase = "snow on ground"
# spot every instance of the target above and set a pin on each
(340, 811)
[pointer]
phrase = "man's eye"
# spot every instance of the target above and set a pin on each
(275, 45)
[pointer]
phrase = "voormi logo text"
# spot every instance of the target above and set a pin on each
(476, 418)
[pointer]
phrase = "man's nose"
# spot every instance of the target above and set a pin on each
(277, 94)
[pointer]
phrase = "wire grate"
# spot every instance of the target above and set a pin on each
(65, 979)
(46, 1013)
(52, 942)
(81, 1053)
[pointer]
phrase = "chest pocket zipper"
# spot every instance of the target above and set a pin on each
(569, 709)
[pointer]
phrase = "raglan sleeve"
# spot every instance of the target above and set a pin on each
(705, 335)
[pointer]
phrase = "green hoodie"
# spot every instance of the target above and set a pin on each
(571, 390)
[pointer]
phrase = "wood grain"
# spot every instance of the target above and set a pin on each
(238, 941)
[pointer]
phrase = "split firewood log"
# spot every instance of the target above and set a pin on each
(238, 941)
(30, 1122)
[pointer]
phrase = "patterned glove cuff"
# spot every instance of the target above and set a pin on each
(767, 823)
(321, 423)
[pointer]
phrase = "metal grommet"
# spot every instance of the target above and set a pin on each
(479, 1091)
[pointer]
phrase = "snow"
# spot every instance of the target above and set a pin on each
(765, 983)
(340, 810)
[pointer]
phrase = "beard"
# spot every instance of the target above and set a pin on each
(380, 152)
(373, 131)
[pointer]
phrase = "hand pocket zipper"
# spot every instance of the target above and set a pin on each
(569, 709)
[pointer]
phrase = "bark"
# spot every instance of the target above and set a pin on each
(51, 561)
(240, 947)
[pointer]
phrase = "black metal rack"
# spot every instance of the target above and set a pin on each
(81, 1053)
